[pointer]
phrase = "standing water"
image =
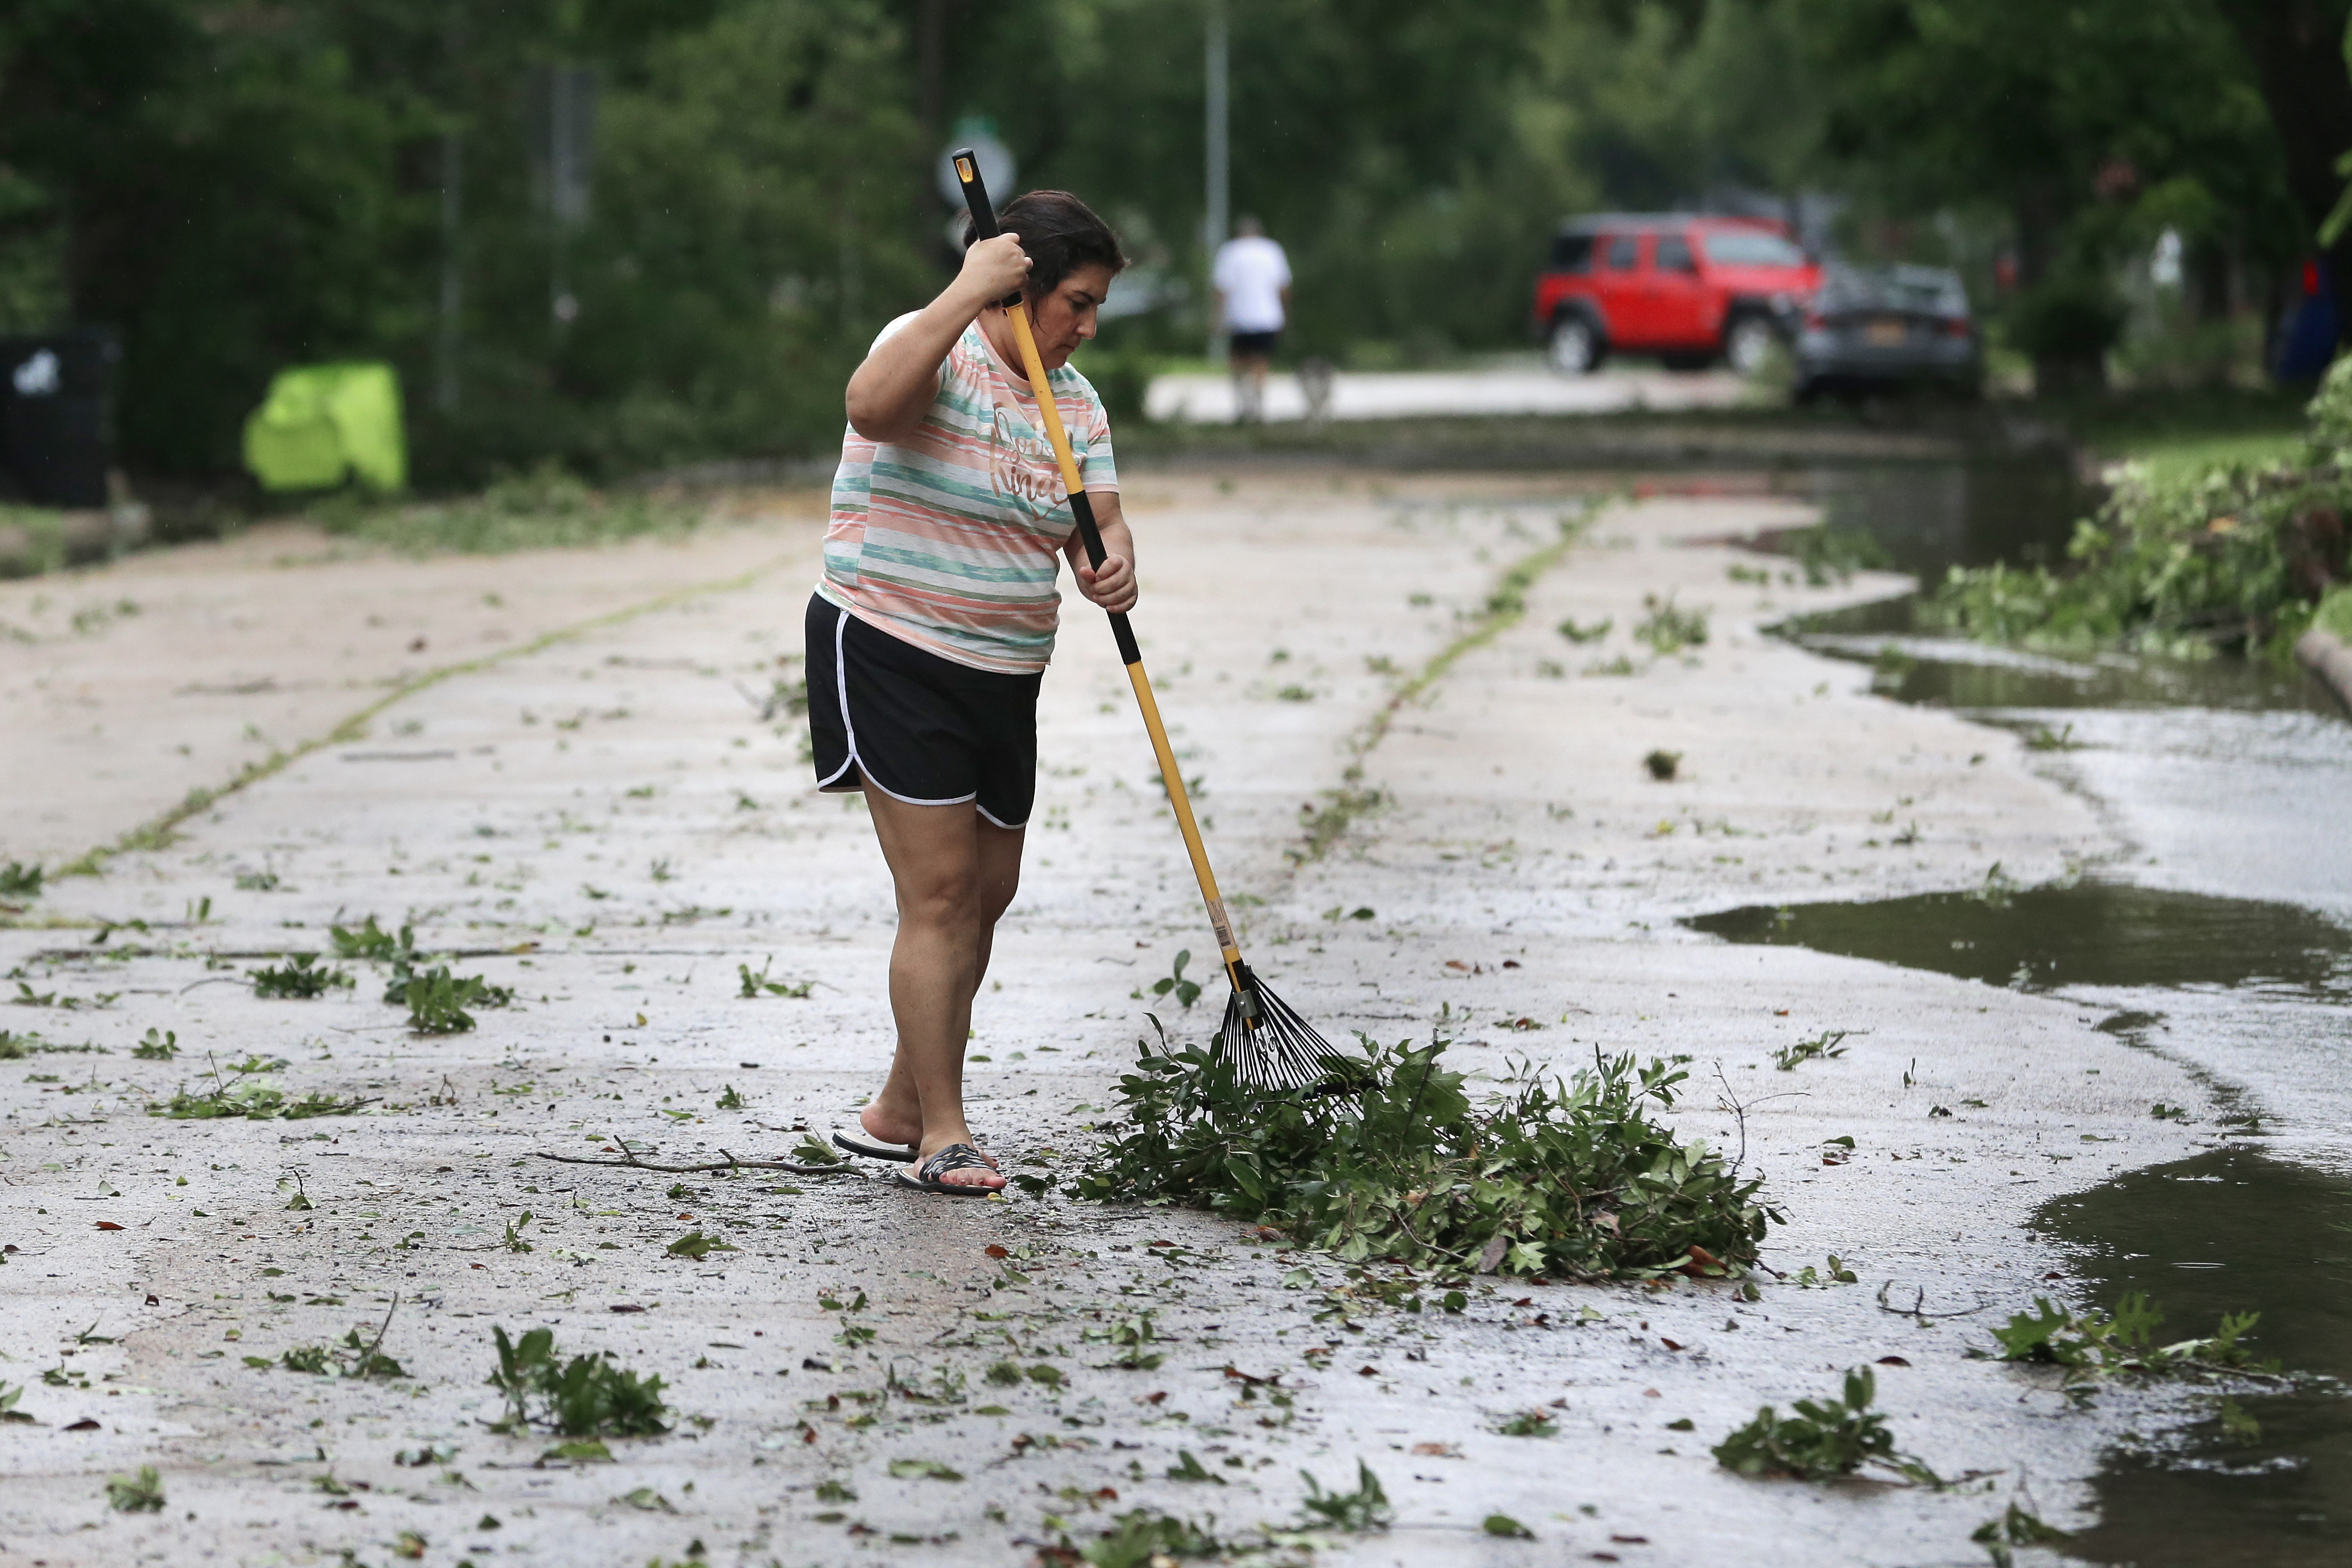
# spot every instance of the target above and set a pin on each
(2220, 938)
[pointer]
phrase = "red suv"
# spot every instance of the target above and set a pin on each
(1692, 290)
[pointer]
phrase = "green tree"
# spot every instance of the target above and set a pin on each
(756, 226)
(238, 188)
(221, 194)
(2089, 124)
(2299, 51)
(1380, 140)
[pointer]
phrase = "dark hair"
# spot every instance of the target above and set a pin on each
(1061, 235)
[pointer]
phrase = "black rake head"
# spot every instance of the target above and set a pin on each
(1278, 1049)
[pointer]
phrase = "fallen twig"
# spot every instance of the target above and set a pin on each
(215, 980)
(1739, 1109)
(629, 1161)
(368, 1355)
(1920, 1300)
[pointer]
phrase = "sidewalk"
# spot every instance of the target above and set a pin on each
(1206, 399)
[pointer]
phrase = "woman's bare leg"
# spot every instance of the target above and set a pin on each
(955, 873)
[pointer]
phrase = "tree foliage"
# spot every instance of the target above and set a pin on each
(238, 187)
(753, 227)
(219, 187)
(2091, 127)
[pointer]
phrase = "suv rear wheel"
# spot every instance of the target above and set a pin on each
(1575, 346)
(1750, 344)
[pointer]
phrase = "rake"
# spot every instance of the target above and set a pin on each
(1262, 1039)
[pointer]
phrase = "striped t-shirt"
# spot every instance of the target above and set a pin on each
(953, 539)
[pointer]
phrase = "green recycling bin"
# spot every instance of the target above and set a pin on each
(324, 425)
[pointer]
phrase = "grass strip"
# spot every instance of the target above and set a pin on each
(546, 509)
(32, 544)
(1506, 606)
(158, 831)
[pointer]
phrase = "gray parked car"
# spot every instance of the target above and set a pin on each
(1875, 329)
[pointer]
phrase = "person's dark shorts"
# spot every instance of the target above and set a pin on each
(1255, 345)
(923, 729)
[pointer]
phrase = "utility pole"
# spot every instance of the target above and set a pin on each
(1219, 218)
(932, 19)
(570, 131)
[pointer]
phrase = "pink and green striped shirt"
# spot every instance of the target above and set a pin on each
(953, 539)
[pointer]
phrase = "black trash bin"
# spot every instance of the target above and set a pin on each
(57, 415)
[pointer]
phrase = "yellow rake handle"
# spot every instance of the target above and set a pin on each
(984, 219)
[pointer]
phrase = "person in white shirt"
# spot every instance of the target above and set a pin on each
(1253, 281)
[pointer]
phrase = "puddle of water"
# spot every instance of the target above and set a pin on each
(2230, 1231)
(1954, 672)
(2235, 790)
(2091, 933)
(1936, 679)
(1929, 516)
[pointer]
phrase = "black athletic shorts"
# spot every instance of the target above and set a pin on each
(1255, 345)
(923, 729)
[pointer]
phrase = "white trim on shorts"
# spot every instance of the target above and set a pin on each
(849, 729)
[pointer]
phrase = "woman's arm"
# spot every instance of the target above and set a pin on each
(895, 386)
(1113, 587)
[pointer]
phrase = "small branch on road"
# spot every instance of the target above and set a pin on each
(1918, 1301)
(629, 1161)
(1739, 1109)
(215, 980)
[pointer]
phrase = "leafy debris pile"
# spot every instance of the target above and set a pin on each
(354, 1357)
(255, 1101)
(2016, 1527)
(586, 1396)
(1569, 1179)
(299, 978)
(1668, 629)
(142, 1493)
(2124, 1340)
(1832, 554)
(2233, 556)
(372, 941)
(1820, 1439)
(436, 999)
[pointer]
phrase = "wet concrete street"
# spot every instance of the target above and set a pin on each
(2219, 937)
(600, 808)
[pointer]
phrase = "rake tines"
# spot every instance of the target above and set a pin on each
(1276, 1050)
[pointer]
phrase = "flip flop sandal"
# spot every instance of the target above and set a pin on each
(954, 1157)
(858, 1143)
